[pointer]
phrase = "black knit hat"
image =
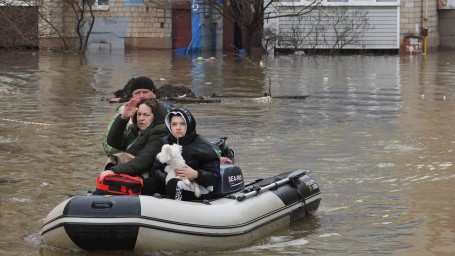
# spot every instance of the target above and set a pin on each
(143, 82)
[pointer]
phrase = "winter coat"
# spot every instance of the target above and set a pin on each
(197, 152)
(108, 149)
(144, 145)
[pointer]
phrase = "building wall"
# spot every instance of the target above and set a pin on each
(447, 29)
(56, 28)
(392, 22)
(131, 24)
(418, 14)
(108, 34)
(123, 24)
(346, 27)
(212, 32)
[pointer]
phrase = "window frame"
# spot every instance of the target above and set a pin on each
(97, 7)
(341, 2)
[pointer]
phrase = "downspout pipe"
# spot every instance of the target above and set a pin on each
(424, 27)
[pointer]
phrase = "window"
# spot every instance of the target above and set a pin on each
(102, 5)
(133, 2)
(342, 2)
(18, 3)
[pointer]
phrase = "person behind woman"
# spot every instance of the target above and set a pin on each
(202, 162)
(141, 88)
(141, 139)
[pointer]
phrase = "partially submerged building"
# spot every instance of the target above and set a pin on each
(407, 25)
(192, 26)
(181, 25)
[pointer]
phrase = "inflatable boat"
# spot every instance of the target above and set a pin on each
(239, 215)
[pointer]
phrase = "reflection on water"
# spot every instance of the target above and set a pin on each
(377, 132)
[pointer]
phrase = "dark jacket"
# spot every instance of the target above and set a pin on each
(197, 152)
(163, 108)
(143, 145)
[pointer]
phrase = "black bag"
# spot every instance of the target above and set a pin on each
(221, 148)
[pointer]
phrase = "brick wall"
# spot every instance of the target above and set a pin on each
(447, 29)
(147, 26)
(418, 14)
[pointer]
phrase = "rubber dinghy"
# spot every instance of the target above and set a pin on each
(241, 214)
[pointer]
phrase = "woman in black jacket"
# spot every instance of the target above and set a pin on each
(202, 162)
(142, 138)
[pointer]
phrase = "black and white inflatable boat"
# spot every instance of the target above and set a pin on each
(241, 214)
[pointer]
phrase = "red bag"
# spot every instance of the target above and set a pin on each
(118, 184)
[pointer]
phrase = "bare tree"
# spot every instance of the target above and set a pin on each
(348, 26)
(295, 34)
(269, 40)
(250, 14)
(18, 25)
(55, 20)
(293, 31)
(84, 23)
(331, 28)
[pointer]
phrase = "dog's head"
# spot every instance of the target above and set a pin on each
(168, 152)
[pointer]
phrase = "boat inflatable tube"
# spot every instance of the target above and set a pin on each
(238, 216)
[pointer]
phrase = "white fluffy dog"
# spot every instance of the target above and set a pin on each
(172, 156)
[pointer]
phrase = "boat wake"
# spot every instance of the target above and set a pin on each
(275, 245)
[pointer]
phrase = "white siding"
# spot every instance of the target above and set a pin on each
(339, 27)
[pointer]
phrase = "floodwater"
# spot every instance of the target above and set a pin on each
(377, 132)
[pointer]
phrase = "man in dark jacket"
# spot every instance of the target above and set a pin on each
(144, 88)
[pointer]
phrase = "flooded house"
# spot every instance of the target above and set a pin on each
(405, 26)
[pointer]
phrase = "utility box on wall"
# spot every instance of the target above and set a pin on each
(412, 44)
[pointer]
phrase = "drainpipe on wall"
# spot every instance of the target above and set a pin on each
(424, 27)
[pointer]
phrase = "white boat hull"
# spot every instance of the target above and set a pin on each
(146, 223)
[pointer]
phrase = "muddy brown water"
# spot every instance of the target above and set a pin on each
(377, 132)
